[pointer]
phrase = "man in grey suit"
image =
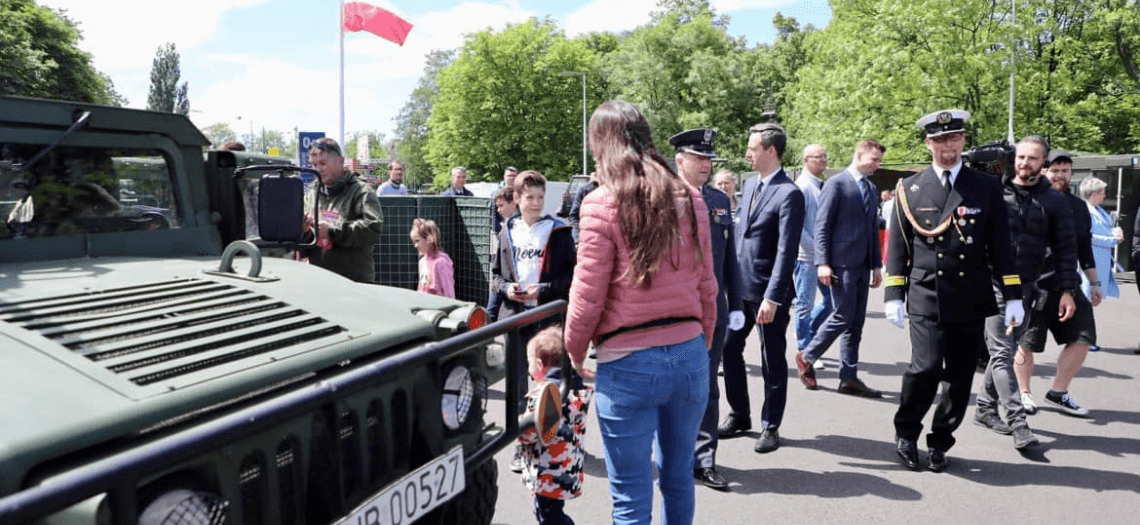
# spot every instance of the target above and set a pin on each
(768, 227)
(847, 254)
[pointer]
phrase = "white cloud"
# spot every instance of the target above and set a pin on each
(725, 6)
(609, 15)
(123, 34)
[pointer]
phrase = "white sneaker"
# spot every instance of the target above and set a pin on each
(819, 364)
(1028, 402)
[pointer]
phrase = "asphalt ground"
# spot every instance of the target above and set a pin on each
(836, 462)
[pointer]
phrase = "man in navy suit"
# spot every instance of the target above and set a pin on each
(769, 223)
(694, 163)
(847, 254)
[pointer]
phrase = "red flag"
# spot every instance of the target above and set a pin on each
(359, 16)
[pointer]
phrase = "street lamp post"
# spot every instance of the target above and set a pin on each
(583, 75)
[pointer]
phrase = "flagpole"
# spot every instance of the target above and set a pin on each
(340, 31)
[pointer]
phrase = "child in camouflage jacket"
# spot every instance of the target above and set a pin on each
(554, 472)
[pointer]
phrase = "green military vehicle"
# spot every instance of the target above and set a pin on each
(145, 380)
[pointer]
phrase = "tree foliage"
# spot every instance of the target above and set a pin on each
(685, 71)
(165, 93)
(40, 57)
(219, 133)
(503, 102)
(879, 66)
(412, 122)
(871, 73)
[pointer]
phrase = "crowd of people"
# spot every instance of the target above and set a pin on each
(667, 274)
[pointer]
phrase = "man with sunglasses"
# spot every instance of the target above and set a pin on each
(348, 224)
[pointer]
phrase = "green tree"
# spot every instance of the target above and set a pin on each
(165, 93)
(685, 71)
(376, 150)
(879, 66)
(411, 124)
(40, 57)
(503, 102)
(219, 133)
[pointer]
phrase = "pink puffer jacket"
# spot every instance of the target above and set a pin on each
(602, 298)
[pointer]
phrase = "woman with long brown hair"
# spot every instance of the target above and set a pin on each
(644, 293)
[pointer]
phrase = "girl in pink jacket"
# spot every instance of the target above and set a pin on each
(644, 293)
(437, 273)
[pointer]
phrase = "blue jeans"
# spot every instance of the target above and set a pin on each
(654, 396)
(809, 316)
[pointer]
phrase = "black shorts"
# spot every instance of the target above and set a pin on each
(1081, 328)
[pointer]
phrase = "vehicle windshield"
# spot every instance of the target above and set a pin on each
(77, 190)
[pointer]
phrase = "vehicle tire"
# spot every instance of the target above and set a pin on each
(476, 506)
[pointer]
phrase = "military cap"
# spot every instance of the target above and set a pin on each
(696, 141)
(1060, 155)
(944, 122)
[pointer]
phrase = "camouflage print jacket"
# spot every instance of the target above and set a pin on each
(555, 471)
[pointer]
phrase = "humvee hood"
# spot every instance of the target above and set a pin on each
(96, 349)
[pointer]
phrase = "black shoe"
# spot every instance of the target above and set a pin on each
(908, 452)
(856, 387)
(517, 461)
(769, 441)
(733, 426)
(938, 460)
(992, 421)
(1023, 437)
(711, 478)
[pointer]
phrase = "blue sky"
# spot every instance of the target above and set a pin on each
(274, 62)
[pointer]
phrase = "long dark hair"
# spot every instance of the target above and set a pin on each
(644, 187)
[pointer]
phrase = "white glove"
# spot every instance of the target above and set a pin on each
(1014, 312)
(735, 320)
(896, 312)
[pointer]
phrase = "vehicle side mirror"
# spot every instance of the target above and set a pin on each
(280, 207)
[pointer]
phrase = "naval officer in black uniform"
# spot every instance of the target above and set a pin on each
(694, 163)
(949, 236)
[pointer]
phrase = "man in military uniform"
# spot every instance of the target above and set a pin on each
(949, 235)
(694, 162)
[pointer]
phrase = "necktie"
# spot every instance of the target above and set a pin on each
(868, 195)
(946, 180)
(755, 196)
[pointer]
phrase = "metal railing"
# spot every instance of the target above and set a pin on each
(118, 475)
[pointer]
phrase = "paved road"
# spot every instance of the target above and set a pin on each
(837, 460)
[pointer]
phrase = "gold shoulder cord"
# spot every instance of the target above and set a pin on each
(937, 230)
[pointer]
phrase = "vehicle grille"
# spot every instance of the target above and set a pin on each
(160, 331)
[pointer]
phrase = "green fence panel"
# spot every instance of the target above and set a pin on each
(473, 250)
(465, 231)
(395, 259)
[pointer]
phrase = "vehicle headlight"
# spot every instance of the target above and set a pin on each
(459, 393)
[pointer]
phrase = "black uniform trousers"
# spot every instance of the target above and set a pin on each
(705, 454)
(945, 351)
(774, 366)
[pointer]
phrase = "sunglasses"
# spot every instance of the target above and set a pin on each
(326, 146)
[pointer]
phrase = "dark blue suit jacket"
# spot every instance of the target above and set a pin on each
(846, 233)
(724, 253)
(768, 238)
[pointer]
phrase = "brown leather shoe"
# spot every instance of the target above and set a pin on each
(806, 372)
(856, 387)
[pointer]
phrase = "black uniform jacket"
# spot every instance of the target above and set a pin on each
(945, 249)
(725, 265)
